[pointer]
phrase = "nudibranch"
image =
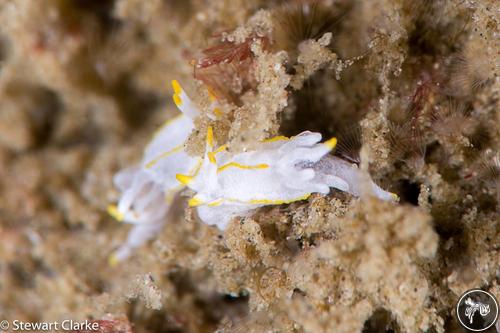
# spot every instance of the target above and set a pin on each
(226, 185)
(280, 170)
(148, 189)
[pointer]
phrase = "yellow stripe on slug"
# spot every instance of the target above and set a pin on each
(194, 201)
(177, 100)
(279, 202)
(163, 155)
(184, 179)
(221, 148)
(197, 168)
(218, 112)
(241, 166)
(115, 213)
(331, 143)
(177, 87)
(270, 201)
(210, 136)
(211, 95)
(113, 260)
(211, 157)
(276, 138)
(215, 203)
(395, 197)
(211, 154)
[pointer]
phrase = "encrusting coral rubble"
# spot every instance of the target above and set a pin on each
(414, 84)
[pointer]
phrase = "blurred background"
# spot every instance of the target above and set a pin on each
(85, 83)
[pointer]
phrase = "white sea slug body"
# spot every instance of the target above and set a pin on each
(280, 170)
(230, 185)
(356, 184)
(148, 189)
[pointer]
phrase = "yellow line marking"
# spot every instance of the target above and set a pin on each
(218, 112)
(197, 167)
(115, 213)
(331, 143)
(211, 95)
(177, 99)
(271, 202)
(279, 202)
(276, 138)
(211, 157)
(220, 149)
(113, 260)
(210, 136)
(241, 166)
(194, 201)
(215, 203)
(155, 160)
(184, 179)
(177, 87)
(211, 154)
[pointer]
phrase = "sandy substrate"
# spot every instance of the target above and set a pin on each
(410, 88)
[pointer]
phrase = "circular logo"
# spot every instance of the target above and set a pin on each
(4, 325)
(477, 310)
